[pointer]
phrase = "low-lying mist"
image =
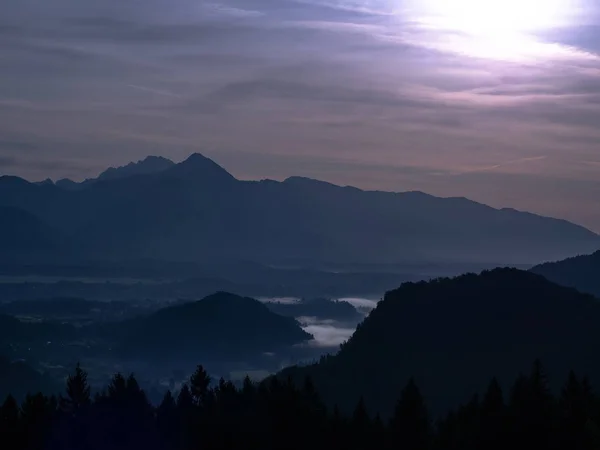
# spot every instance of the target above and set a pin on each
(328, 332)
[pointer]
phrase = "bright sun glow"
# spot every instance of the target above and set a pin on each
(502, 29)
(496, 16)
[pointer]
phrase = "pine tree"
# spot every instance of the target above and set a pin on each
(36, 418)
(533, 411)
(185, 401)
(186, 417)
(248, 388)
(136, 397)
(410, 426)
(574, 414)
(360, 416)
(493, 418)
(78, 392)
(167, 406)
(199, 386)
(117, 386)
(166, 420)
(360, 426)
(572, 402)
(542, 402)
(9, 423)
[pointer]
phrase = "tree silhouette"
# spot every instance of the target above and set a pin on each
(37, 413)
(410, 425)
(273, 415)
(199, 384)
(493, 418)
(166, 419)
(575, 406)
(78, 391)
(9, 423)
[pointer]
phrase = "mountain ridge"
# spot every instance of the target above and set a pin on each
(149, 165)
(580, 272)
(196, 210)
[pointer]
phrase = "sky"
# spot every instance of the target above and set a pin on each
(497, 101)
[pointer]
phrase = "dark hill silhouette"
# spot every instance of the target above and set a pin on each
(219, 327)
(580, 272)
(452, 335)
(18, 379)
(197, 211)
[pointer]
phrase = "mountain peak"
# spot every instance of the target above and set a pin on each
(201, 167)
(149, 165)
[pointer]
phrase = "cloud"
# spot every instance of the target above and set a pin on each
(153, 91)
(7, 162)
(356, 92)
(504, 164)
(17, 146)
(328, 335)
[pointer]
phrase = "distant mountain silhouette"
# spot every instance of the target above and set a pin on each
(147, 166)
(197, 211)
(150, 165)
(580, 272)
(217, 328)
(452, 335)
(67, 184)
(23, 234)
(320, 308)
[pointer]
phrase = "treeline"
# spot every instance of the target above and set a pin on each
(280, 415)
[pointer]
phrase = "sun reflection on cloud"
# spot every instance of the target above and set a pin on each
(496, 17)
(496, 29)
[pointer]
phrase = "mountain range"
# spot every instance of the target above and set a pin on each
(197, 211)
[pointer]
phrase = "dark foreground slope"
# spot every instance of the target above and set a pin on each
(452, 335)
(580, 272)
(220, 327)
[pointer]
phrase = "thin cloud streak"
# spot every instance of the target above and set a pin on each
(504, 164)
(153, 91)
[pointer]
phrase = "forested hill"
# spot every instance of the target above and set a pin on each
(580, 272)
(452, 335)
(220, 326)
